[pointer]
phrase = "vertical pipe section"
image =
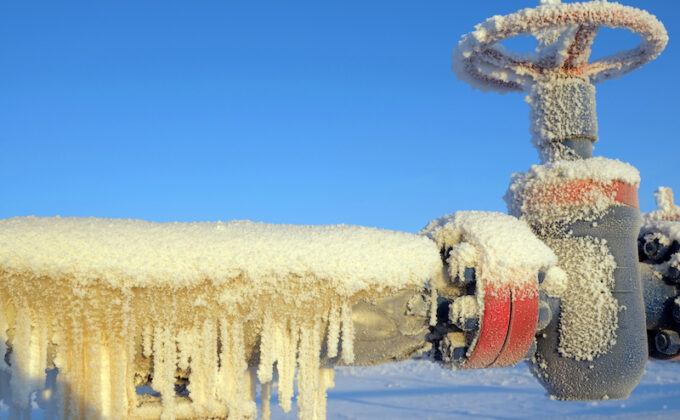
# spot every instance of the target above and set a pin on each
(612, 375)
(595, 348)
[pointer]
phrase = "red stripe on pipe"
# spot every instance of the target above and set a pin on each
(522, 328)
(586, 192)
(493, 327)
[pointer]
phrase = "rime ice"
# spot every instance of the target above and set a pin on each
(221, 306)
(501, 247)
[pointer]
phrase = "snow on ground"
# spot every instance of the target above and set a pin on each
(422, 390)
(418, 389)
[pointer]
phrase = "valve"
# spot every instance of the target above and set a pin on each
(579, 205)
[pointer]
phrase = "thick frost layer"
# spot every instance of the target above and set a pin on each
(135, 253)
(112, 303)
(562, 108)
(558, 76)
(667, 210)
(477, 59)
(502, 248)
(541, 195)
(589, 310)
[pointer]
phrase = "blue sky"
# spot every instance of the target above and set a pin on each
(285, 112)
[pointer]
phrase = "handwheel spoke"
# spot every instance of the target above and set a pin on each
(578, 51)
(511, 62)
(615, 65)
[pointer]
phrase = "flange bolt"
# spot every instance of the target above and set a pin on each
(667, 342)
(653, 250)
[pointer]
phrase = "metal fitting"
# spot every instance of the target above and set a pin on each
(650, 248)
(673, 274)
(676, 312)
(667, 342)
(544, 316)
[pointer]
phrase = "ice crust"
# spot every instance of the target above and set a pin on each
(512, 72)
(111, 303)
(562, 108)
(134, 253)
(588, 304)
(501, 248)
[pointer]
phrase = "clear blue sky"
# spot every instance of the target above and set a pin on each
(285, 112)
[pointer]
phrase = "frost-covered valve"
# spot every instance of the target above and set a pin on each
(585, 209)
(558, 77)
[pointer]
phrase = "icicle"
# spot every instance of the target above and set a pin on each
(62, 390)
(236, 382)
(266, 396)
(326, 382)
(74, 383)
(286, 366)
(3, 335)
(244, 398)
(210, 364)
(308, 369)
(131, 344)
(119, 369)
(267, 350)
(250, 407)
(22, 357)
(92, 367)
(105, 381)
(196, 386)
(433, 306)
(227, 380)
(333, 336)
(164, 363)
(183, 349)
(347, 334)
(147, 334)
(38, 352)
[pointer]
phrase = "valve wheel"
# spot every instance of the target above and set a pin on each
(566, 33)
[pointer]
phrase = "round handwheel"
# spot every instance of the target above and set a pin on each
(565, 33)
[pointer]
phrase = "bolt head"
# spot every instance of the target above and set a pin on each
(651, 248)
(667, 342)
(459, 354)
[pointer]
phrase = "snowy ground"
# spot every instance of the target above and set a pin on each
(422, 390)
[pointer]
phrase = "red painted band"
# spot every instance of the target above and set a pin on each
(522, 328)
(493, 327)
(585, 192)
